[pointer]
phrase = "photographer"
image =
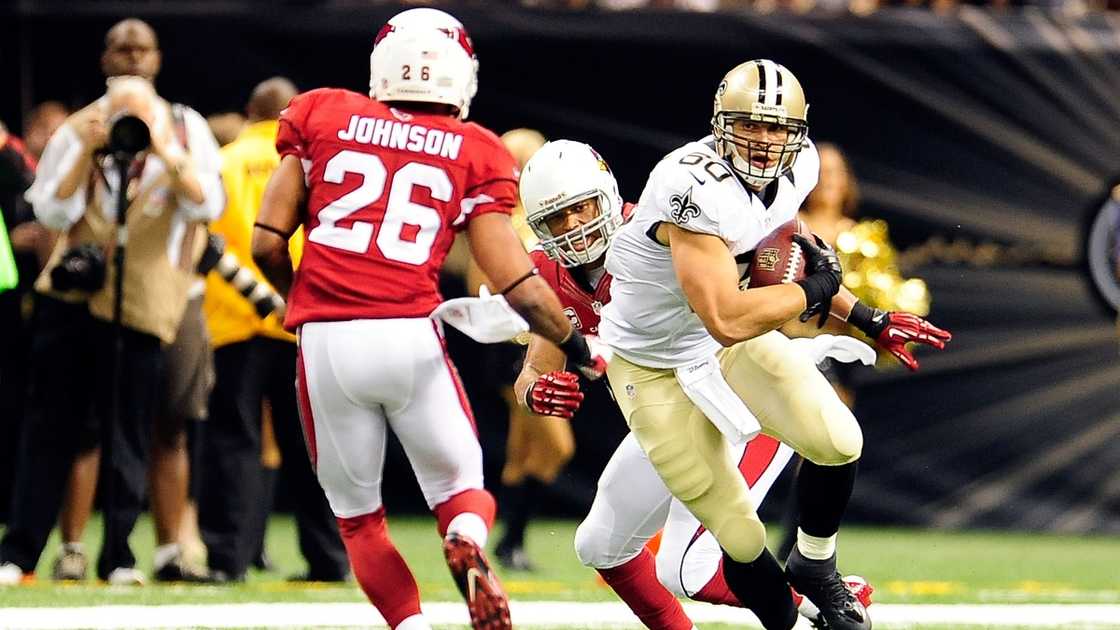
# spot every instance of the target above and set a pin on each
(169, 190)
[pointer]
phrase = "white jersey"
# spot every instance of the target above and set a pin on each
(648, 320)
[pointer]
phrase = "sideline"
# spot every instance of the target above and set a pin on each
(525, 613)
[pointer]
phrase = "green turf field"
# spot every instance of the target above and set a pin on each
(904, 565)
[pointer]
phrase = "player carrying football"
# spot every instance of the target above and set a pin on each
(380, 186)
(572, 203)
(698, 361)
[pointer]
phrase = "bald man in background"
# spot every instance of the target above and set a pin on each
(255, 362)
(132, 49)
(162, 377)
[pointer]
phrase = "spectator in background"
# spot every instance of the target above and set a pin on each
(255, 361)
(176, 186)
(41, 123)
(17, 170)
(131, 49)
(226, 127)
(31, 241)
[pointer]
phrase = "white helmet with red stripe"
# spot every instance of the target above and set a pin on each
(560, 175)
(424, 55)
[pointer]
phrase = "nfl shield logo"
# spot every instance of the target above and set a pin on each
(631, 392)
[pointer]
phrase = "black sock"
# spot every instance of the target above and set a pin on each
(761, 586)
(822, 496)
(520, 502)
(790, 515)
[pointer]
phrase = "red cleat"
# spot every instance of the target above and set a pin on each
(486, 601)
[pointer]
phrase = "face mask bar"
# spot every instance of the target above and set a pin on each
(594, 236)
(786, 153)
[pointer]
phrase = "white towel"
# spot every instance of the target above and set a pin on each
(705, 386)
(486, 318)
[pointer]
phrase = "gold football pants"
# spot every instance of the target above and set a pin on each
(786, 392)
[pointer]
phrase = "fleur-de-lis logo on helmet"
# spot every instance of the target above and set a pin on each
(682, 208)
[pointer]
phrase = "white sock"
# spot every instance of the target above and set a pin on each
(471, 525)
(815, 547)
(73, 547)
(415, 622)
(164, 554)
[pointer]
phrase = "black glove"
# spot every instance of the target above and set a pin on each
(822, 277)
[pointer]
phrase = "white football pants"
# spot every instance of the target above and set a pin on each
(359, 378)
(632, 504)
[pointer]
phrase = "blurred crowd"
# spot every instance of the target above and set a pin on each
(823, 7)
(123, 367)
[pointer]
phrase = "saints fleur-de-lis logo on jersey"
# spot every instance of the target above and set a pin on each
(682, 208)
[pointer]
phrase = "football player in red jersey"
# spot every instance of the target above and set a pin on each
(572, 203)
(380, 185)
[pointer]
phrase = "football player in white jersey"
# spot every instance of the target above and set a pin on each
(698, 363)
(572, 203)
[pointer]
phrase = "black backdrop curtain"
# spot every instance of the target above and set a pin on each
(982, 130)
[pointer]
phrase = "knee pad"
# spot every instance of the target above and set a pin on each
(590, 548)
(680, 467)
(598, 549)
(845, 437)
(742, 538)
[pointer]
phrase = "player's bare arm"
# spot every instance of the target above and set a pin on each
(542, 357)
(277, 221)
(710, 280)
(543, 387)
(500, 255)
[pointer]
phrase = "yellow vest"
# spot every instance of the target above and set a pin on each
(247, 164)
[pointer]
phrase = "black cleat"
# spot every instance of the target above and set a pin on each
(177, 570)
(514, 559)
(819, 581)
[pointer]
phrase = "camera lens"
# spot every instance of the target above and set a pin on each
(129, 134)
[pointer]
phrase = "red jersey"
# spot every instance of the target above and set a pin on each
(581, 306)
(387, 190)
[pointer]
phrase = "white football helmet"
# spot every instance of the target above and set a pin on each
(562, 173)
(424, 55)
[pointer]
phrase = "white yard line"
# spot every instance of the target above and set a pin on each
(552, 614)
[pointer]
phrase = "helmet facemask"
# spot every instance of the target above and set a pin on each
(743, 151)
(583, 244)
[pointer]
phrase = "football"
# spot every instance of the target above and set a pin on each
(778, 259)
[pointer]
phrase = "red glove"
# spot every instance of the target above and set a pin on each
(893, 330)
(554, 394)
(899, 329)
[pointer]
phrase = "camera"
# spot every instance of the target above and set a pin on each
(82, 268)
(264, 299)
(128, 134)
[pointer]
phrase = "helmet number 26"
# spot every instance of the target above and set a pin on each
(399, 210)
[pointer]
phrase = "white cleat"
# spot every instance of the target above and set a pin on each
(10, 574)
(126, 576)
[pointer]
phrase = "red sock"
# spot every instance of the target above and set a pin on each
(477, 501)
(716, 591)
(379, 567)
(636, 583)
